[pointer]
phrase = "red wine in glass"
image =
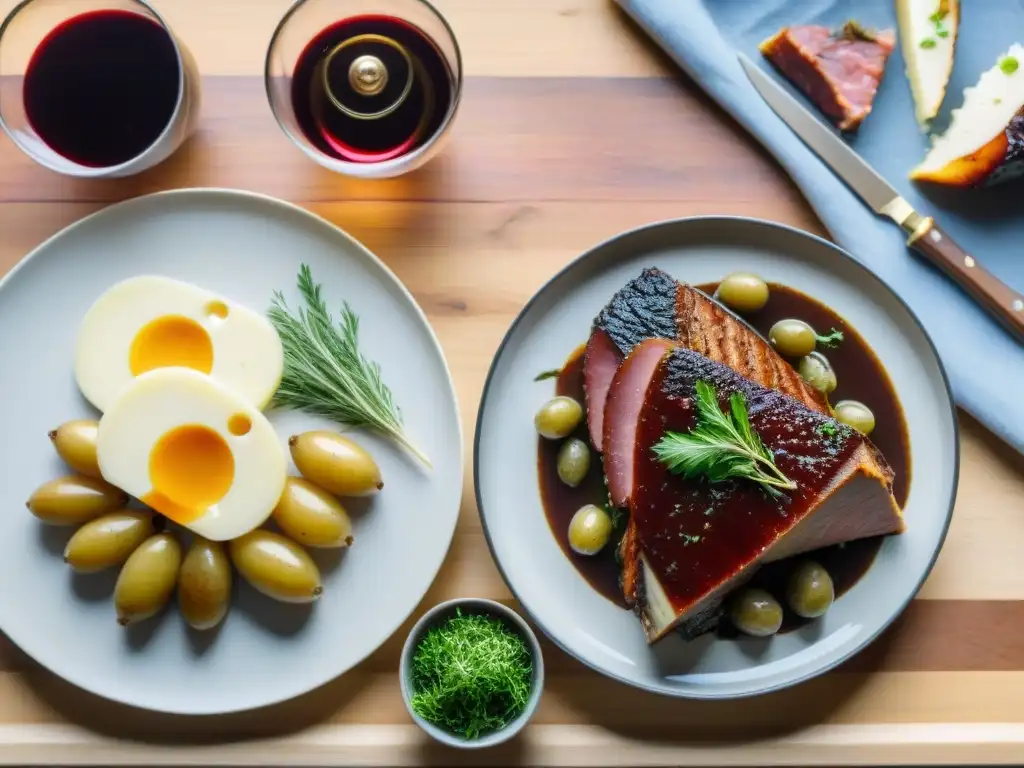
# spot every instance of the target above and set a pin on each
(371, 88)
(102, 87)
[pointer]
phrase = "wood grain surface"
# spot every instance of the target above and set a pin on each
(572, 129)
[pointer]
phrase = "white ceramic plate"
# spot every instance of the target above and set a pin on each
(246, 247)
(558, 318)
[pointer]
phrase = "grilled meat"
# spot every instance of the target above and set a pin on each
(697, 541)
(838, 70)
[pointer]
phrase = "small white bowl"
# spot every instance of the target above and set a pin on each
(478, 606)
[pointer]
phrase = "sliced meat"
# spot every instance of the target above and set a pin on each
(698, 541)
(622, 412)
(645, 308)
(839, 71)
(601, 360)
(656, 306)
(635, 314)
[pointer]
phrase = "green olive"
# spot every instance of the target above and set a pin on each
(755, 612)
(589, 530)
(108, 540)
(793, 338)
(810, 592)
(147, 579)
(743, 292)
(573, 462)
(855, 414)
(276, 566)
(75, 499)
(75, 443)
(204, 584)
(817, 371)
(335, 463)
(558, 417)
(311, 516)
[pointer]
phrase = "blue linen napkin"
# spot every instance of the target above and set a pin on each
(985, 365)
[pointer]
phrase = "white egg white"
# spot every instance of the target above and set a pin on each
(247, 353)
(160, 401)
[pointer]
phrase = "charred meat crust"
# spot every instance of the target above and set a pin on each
(645, 308)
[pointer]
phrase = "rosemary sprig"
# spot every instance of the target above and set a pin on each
(723, 446)
(324, 371)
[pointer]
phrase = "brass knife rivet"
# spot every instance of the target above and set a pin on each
(968, 262)
(1017, 305)
(936, 235)
(367, 75)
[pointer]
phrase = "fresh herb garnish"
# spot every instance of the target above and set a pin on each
(471, 675)
(942, 32)
(1009, 65)
(827, 428)
(325, 372)
(723, 446)
(830, 340)
(554, 373)
(852, 30)
(928, 42)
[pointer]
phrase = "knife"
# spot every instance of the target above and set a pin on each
(923, 234)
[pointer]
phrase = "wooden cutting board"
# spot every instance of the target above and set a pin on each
(572, 129)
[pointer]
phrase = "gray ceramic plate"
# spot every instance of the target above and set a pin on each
(609, 638)
(246, 247)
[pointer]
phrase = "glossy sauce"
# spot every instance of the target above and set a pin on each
(860, 377)
(561, 501)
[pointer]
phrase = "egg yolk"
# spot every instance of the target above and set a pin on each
(171, 340)
(191, 468)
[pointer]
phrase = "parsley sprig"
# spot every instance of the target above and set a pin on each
(829, 340)
(723, 445)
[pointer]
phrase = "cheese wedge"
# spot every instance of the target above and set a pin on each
(985, 140)
(928, 30)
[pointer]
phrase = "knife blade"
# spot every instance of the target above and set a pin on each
(924, 234)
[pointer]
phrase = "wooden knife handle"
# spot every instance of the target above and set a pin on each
(1000, 300)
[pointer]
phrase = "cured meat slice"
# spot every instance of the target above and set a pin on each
(697, 541)
(839, 71)
(622, 414)
(645, 308)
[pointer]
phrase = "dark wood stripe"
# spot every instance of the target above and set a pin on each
(931, 636)
(515, 139)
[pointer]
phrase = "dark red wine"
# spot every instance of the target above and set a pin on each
(102, 87)
(383, 117)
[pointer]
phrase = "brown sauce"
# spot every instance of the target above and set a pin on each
(860, 377)
(561, 501)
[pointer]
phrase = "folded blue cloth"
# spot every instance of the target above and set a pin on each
(985, 365)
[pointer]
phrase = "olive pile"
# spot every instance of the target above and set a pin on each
(591, 526)
(745, 292)
(809, 594)
(152, 560)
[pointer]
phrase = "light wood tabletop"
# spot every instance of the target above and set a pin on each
(572, 128)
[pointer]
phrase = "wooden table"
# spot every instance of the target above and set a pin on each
(573, 128)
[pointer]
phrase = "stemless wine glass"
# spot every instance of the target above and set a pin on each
(368, 88)
(95, 88)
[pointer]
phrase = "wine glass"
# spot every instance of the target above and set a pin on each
(95, 88)
(367, 88)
